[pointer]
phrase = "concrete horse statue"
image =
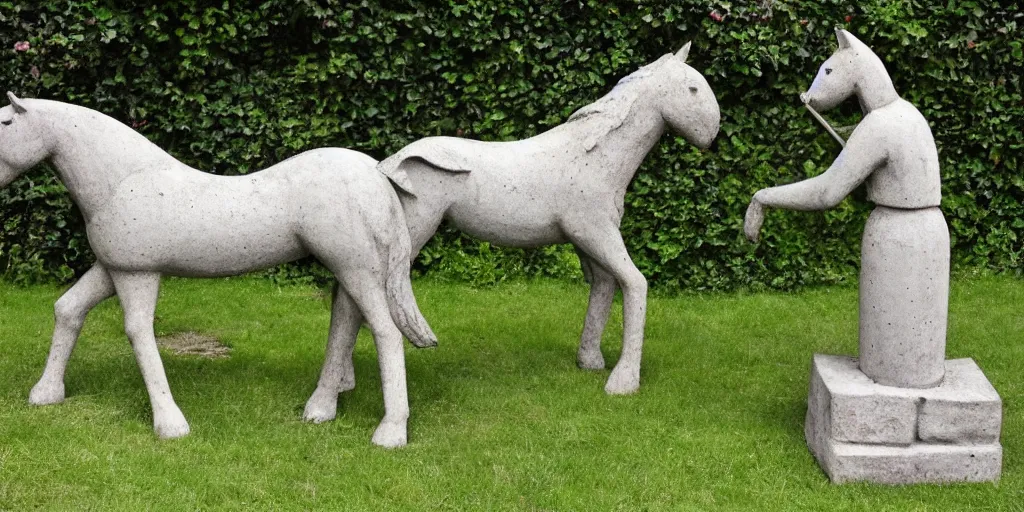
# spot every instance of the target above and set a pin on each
(565, 185)
(149, 215)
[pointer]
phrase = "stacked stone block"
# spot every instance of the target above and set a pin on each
(859, 430)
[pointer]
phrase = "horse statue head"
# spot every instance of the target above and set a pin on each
(690, 108)
(852, 69)
(22, 144)
(679, 93)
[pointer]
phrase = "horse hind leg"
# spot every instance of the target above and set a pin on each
(371, 297)
(602, 292)
(69, 315)
(362, 276)
(338, 373)
(138, 293)
(392, 431)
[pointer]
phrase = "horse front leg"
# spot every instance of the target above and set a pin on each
(604, 245)
(69, 314)
(138, 293)
(602, 292)
(338, 374)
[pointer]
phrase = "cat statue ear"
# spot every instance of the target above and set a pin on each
(684, 52)
(848, 40)
(19, 108)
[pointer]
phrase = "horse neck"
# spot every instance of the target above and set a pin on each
(874, 88)
(629, 144)
(93, 153)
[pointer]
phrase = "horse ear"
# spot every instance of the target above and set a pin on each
(684, 52)
(844, 38)
(16, 103)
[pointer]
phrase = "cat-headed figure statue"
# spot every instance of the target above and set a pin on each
(899, 413)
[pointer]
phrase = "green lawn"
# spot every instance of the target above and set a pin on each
(501, 417)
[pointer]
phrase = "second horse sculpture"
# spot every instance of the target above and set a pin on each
(148, 215)
(565, 185)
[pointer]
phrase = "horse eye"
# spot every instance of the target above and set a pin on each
(7, 122)
(693, 90)
(828, 71)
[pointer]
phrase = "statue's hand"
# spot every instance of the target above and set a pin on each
(753, 220)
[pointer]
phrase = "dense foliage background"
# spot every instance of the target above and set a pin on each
(232, 87)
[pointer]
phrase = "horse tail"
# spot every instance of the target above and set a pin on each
(401, 301)
(435, 151)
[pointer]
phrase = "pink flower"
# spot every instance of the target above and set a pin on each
(22, 46)
(715, 16)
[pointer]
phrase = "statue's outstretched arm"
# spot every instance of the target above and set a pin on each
(864, 153)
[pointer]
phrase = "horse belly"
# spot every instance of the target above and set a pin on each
(507, 223)
(239, 244)
(208, 234)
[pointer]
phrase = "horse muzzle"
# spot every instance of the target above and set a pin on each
(7, 174)
(705, 141)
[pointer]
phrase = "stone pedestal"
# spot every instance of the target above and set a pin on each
(861, 431)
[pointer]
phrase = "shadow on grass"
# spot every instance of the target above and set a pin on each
(435, 376)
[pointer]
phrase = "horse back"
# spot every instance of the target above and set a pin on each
(181, 221)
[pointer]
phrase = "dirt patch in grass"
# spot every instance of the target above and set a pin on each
(191, 343)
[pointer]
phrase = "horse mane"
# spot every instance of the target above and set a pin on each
(69, 113)
(79, 118)
(613, 108)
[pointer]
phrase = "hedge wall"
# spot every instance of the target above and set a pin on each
(232, 87)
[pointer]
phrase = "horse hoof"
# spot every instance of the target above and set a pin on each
(321, 407)
(590, 361)
(171, 425)
(390, 434)
(622, 383)
(46, 393)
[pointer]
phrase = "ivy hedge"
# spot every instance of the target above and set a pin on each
(232, 87)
